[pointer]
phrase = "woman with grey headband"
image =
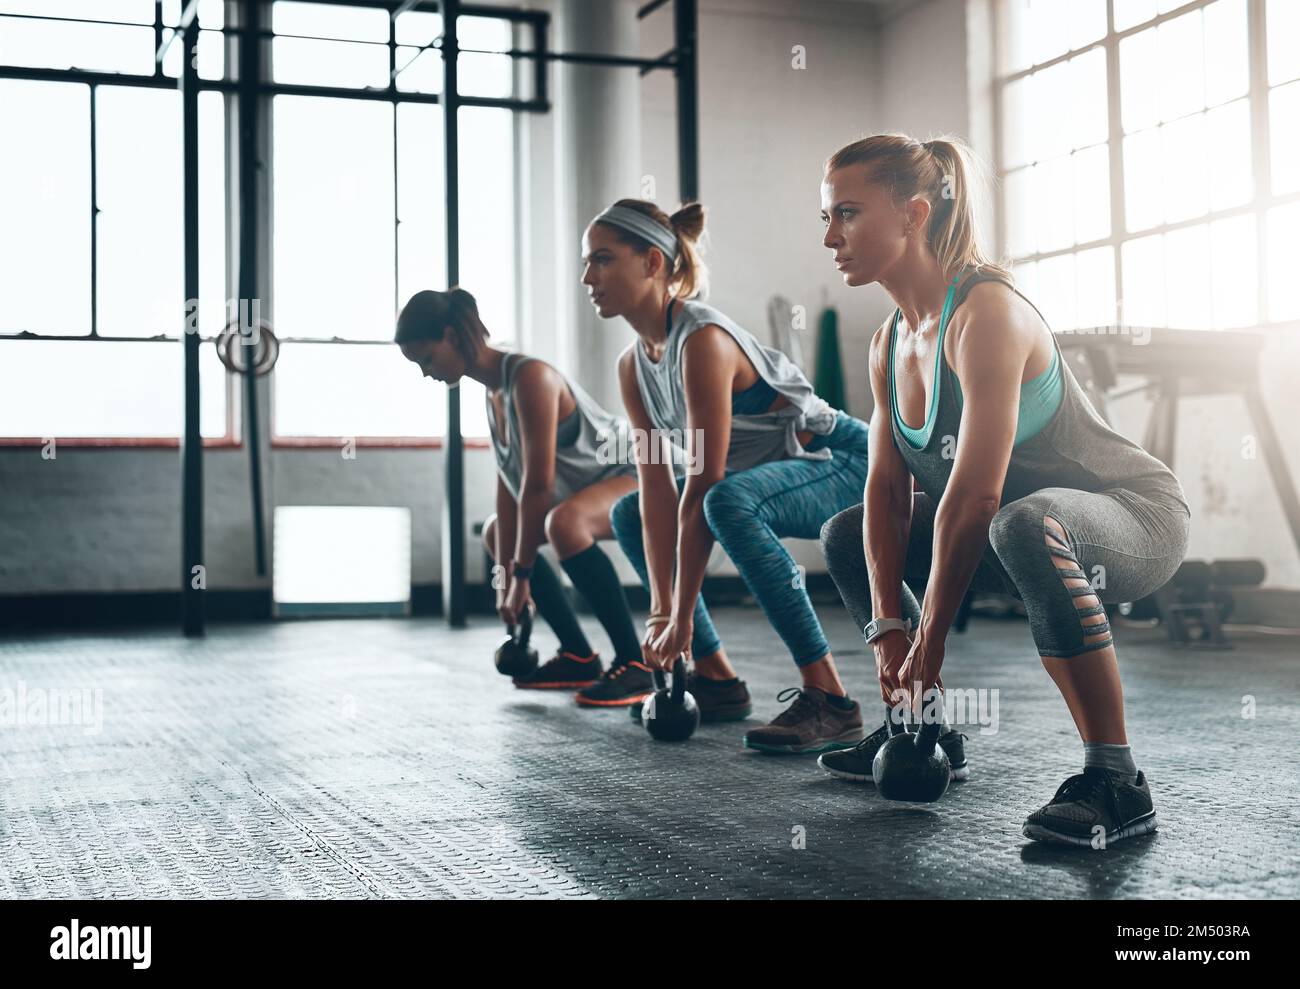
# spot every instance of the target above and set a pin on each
(766, 459)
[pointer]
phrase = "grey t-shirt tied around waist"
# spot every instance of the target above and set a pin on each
(755, 439)
(1076, 449)
(591, 444)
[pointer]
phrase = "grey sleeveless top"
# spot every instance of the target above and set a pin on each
(1076, 449)
(590, 445)
(755, 439)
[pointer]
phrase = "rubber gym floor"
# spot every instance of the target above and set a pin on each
(387, 758)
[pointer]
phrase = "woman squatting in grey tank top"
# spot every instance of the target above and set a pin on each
(765, 457)
(1067, 519)
(559, 471)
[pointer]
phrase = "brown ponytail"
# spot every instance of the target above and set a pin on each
(689, 277)
(938, 170)
(428, 314)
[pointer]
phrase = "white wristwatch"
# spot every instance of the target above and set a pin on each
(877, 627)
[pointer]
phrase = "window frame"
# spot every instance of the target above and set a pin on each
(1257, 94)
(231, 34)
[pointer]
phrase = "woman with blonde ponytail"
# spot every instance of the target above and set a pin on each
(765, 458)
(991, 470)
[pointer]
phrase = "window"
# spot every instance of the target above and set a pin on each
(1164, 100)
(90, 206)
(358, 195)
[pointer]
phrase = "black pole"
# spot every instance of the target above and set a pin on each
(193, 578)
(453, 505)
(249, 80)
(688, 99)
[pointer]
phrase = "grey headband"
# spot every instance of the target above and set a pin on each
(645, 227)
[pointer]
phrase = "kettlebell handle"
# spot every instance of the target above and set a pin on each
(525, 625)
(661, 681)
(896, 725)
(679, 680)
(928, 737)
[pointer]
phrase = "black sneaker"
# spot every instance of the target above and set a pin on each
(717, 701)
(811, 724)
(563, 671)
(855, 763)
(1094, 802)
(622, 684)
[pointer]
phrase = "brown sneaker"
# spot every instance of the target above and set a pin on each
(811, 724)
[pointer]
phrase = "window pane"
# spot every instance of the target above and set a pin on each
(333, 216)
(73, 388)
(1049, 129)
(1053, 203)
(1182, 172)
(1227, 133)
(1131, 12)
(1284, 134)
(1283, 262)
(1014, 26)
(1236, 272)
(1091, 194)
(329, 63)
(328, 389)
(1143, 189)
(418, 71)
(1057, 289)
(1087, 107)
(1180, 66)
(212, 55)
(135, 11)
(141, 260)
(327, 20)
(1016, 124)
(1283, 19)
(1019, 212)
(1049, 29)
(1143, 263)
(1087, 20)
(1095, 275)
(211, 14)
(487, 230)
(484, 75)
(45, 207)
(417, 27)
(67, 45)
(139, 195)
(422, 236)
(1227, 64)
(1139, 91)
(1188, 303)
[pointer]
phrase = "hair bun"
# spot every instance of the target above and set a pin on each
(688, 221)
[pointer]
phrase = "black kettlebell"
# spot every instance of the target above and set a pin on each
(671, 714)
(515, 657)
(911, 766)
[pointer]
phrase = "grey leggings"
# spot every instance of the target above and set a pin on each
(1117, 546)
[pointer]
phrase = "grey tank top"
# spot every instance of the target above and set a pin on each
(1076, 449)
(755, 439)
(591, 444)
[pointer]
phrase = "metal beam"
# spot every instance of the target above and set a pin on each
(685, 21)
(193, 577)
(453, 504)
(248, 108)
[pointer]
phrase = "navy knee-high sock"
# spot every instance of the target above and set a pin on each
(593, 574)
(553, 605)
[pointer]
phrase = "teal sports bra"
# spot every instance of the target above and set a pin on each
(1040, 396)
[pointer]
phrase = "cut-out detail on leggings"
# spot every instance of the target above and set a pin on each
(1092, 613)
